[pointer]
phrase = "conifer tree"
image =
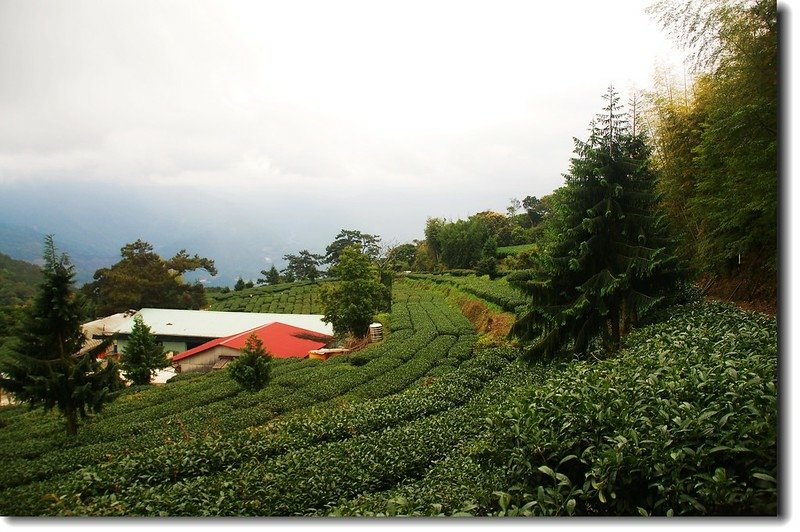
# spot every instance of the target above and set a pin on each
(271, 276)
(252, 369)
(609, 259)
(47, 368)
(142, 355)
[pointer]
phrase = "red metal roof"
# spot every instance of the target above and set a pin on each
(279, 339)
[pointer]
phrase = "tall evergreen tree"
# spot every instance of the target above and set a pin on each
(609, 259)
(143, 355)
(48, 369)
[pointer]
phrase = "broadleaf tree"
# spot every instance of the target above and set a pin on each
(351, 301)
(609, 258)
(49, 367)
(144, 279)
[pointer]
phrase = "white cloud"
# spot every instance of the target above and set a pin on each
(393, 109)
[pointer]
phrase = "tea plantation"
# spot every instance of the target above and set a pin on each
(682, 421)
(288, 298)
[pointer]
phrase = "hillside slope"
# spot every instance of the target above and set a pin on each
(424, 424)
(19, 280)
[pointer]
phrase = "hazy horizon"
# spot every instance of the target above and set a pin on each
(244, 131)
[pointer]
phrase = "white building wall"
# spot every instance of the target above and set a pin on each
(205, 360)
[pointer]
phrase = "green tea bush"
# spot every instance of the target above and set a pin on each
(682, 422)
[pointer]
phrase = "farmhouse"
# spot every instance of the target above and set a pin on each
(279, 339)
(98, 330)
(182, 330)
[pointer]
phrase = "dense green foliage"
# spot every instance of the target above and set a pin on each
(271, 276)
(48, 368)
(142, 355)
(462, 244)
(18, 281)
(12, 318)
(143, 279)
(251, 370)
(506, 251)
(718, 147)
(609, 259)
(682, 422)
(302, 267)
(368, 244)
(351, 302)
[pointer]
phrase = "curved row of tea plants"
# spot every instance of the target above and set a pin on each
(682, 421)
(300, 297)
(302, 463)
(496, 291)
(196, 408)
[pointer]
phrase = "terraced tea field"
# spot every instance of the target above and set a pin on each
(682, 421)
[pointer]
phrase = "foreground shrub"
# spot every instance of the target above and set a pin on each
(251, 370)
(682, 422)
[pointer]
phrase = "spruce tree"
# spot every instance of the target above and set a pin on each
(142, 355)
(47, 368)
(251, 370)
(609, 259)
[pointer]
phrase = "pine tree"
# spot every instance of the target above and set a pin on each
(252, 369)
(142, 355)
(609, 259)
(48, 369)
(271, 276)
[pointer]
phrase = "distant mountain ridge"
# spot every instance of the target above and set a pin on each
(26, 244)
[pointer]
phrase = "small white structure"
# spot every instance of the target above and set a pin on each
(375, 332)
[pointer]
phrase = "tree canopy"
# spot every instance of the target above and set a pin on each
(303, 267)
(143, 279)
(351, 302)
(271, 276)
(369, 245)
(717, 147)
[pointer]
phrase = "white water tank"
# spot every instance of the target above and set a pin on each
(375, 332)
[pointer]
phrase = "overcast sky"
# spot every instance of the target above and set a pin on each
(313, 116)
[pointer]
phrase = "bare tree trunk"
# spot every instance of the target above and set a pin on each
(72, 421)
